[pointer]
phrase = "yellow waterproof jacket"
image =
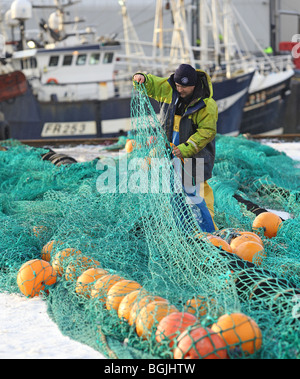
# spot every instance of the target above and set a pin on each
(198, 125)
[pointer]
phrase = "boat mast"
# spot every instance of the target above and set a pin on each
(158, 34)
(131, 38)
(181, 49)
(227, 37)
(204, 26)
(275, 23)
(211, 27)
(216, 34)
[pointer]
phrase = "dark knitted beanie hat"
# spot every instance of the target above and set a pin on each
(185, 75)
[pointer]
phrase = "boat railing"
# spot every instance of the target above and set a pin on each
(166, 64)
(236, 66)
(275, 63)
(156, 65)
(264, 65)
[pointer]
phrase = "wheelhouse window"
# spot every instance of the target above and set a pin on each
(81, 60)
(54, 61)
(94, 58)
(108, 58)
(68, 59)
(28, 63)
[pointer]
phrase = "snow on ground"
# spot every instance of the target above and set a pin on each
(292, 149)
(83, 153)
(27, 332)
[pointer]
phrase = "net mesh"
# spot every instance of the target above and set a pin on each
(125, 221)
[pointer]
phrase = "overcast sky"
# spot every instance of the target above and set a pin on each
(105, 16)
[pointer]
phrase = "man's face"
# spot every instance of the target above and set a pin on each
(184, 91)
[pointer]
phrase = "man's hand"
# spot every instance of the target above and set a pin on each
(139, 78)
(176, 152)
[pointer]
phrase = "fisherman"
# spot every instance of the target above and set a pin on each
(189, 117)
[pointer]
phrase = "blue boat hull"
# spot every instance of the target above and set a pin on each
(264, 111)
(27, 117)
(231, 99)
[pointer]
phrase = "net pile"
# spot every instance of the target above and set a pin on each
(127, 216)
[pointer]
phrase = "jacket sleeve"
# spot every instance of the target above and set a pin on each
(206, 121)
(157, 88)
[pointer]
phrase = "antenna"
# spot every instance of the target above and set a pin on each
(57, 22)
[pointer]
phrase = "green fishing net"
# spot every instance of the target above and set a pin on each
(128, 214)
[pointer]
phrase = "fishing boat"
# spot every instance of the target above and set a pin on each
(231, 79)
(81, 87)
(264, 111)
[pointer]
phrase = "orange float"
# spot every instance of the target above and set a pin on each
(251, 251)
(199, 305)
(150, 315)
(245, 237)
(239, 331)
(269, 222)
(47, 249)
(200, 343)
(140, 303)
(34, 276)
(78, 266)
(118, 291)
(219, 243)
(61, 260)
(103, 285)
(130, 145)
(127, 303)
(171, 326)
(86, 280)
(254, 235)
